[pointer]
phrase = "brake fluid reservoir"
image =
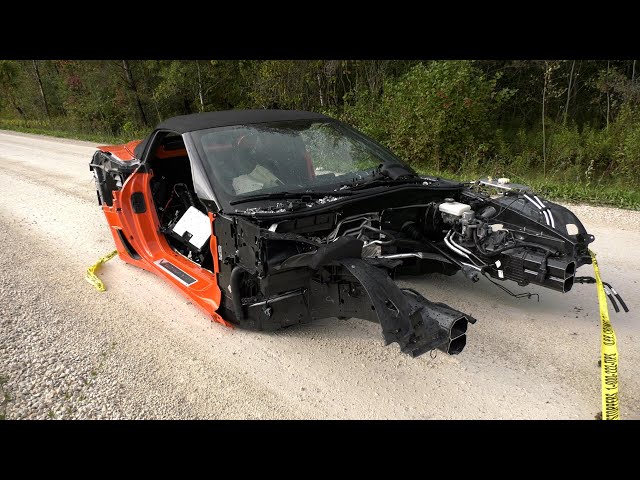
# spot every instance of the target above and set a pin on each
(454, 208)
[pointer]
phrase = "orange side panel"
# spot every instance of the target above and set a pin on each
(123, 152)
(161, 152)
(213, 243)
(144, 236)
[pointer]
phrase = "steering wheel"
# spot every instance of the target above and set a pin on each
(248, 142)
(251, 145)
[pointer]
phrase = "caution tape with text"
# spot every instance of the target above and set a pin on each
(609, 354)
(91, 275)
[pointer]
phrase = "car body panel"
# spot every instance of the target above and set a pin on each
(142, 233)
(124, 152)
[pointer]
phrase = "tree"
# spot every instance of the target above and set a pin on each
(39, 80)
(9, 83)
(508, 115)
(132, 86)
(566, 108)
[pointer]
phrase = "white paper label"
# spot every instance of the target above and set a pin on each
(197, 224)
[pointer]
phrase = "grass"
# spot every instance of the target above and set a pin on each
(599, 194)
(44, 128)
(596, 193)
(610, 193)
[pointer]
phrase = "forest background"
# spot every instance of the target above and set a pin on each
(569, 128)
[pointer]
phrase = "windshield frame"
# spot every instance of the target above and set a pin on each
(209, 187)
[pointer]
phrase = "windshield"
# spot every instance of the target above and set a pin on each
(311, 155)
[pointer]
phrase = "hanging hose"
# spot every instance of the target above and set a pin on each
(613, 290)
(234, 282)
(609, 291)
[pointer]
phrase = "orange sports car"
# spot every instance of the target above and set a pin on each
(270, 218)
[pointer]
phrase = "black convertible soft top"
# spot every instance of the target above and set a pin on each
(200, 121)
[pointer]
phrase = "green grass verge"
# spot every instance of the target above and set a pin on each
(599, 194)
(612, 194)
(43, 128)
(615, 194)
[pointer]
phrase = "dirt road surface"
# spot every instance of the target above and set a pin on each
(141, 350)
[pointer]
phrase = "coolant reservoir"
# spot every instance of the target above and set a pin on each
(453, 208)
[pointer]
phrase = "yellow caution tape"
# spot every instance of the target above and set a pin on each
(609, 354)
(91, 276)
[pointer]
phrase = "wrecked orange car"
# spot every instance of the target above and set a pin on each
(267, 218)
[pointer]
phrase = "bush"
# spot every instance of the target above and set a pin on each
(436, 116)
(627, 150)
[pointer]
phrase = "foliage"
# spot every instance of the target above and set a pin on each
(439, 114)
(459, 117)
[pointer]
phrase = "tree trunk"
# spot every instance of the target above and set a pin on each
(44, 97)
(375, 72)
(544, 133)
(17, 107)
(566, 108)
(320, 89)
(155, 104)
(633, 71)
(186, 102)
(608, 96)
(356, 68)
(200, 87)
(132, 86)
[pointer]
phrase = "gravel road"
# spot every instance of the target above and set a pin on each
(141, 350)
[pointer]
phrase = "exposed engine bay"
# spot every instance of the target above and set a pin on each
(512, 237)
(498, 230)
